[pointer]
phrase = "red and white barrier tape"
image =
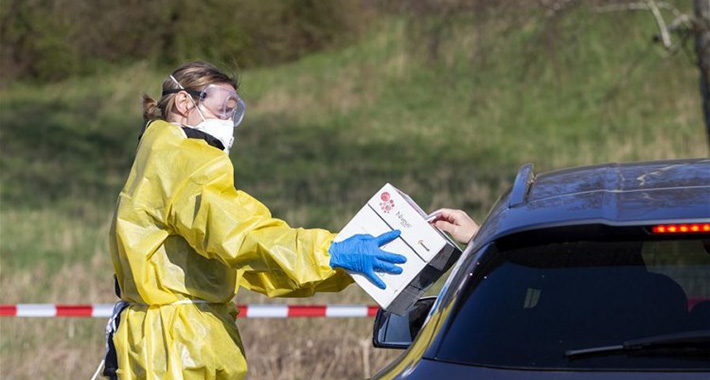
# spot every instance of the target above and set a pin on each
(42, 310)
(48, 310)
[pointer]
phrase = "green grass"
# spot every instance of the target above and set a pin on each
(450, 127)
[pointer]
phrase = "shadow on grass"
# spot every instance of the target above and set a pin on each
(57, 154)
(285, 164)
(52, 151)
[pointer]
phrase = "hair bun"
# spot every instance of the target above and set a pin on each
(150, 109)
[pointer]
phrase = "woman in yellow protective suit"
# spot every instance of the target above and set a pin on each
(183, 240)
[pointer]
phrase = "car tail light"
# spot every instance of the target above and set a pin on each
(682, 228)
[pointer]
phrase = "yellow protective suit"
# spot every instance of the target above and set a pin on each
(182, 232)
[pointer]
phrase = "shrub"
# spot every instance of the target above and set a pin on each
(52, 39)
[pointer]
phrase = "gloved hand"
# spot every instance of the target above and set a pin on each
(362, 254)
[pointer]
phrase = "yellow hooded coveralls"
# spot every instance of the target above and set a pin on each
(182, 240)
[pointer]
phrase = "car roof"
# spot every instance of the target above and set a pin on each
(612, 194)
(621, 178)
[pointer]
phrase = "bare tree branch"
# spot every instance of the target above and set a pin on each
(665, 37)
(638, 6)
(552, 7)
(681, 22)
(683, 26)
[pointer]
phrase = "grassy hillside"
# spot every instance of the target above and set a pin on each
(447, 117)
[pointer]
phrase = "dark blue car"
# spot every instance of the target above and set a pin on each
(598, 272)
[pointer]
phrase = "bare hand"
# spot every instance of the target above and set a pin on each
(457, 223)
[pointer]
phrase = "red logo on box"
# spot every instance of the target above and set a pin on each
(387, 203)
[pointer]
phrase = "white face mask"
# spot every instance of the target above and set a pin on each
(222, 130)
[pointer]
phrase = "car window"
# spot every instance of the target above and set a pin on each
(527, 307)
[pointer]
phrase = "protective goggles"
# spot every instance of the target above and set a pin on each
(221, 102)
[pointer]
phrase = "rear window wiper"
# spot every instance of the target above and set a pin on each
(686, 340)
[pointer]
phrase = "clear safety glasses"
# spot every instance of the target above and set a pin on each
(221, 102)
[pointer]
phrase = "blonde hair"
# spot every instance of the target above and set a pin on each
(192, 75)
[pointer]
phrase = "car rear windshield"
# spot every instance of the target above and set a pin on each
(529, 307)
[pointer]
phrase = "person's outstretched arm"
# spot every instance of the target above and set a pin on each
(223, 223)
(272, 258)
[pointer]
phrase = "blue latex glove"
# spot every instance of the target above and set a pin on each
(362, 254)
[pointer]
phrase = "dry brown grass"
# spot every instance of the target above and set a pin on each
(71, 348)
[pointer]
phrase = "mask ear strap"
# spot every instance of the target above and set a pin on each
(186, 90)
(176, 82)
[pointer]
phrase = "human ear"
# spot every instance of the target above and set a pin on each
(183, 103)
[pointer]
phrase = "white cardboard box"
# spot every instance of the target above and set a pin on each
(429, 251)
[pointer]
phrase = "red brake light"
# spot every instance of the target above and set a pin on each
(684, 228)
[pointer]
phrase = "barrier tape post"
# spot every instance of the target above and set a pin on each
(45, 310)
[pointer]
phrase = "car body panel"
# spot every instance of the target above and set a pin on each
(429, 369)
(637, 194)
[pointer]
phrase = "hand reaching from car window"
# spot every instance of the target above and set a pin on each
(457, 223)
